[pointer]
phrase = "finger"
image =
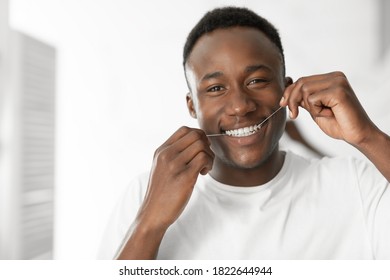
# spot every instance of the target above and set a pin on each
(286, 96)
(186, 156)
(294, 99)
(320, 104)
(182, 131)
(323, 96)
(310, 88)
(182, 138)
(202, 163)
(177, 155)
(191, 137)
(296, 94)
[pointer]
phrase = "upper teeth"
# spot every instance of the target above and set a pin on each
(244, 131)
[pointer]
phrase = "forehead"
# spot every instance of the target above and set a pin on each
(233, 46)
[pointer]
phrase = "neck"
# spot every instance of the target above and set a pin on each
(262, 173)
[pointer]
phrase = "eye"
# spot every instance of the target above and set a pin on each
(215, 88)
(257, 81)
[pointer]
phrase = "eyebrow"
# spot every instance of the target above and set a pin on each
(212, 75)
(248, 69)
(257, 67)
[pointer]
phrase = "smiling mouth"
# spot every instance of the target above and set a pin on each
(246, 131)
(243, 131)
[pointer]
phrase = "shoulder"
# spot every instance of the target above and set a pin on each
(130, 200)
(136, 188)
(334, 173)
(325, 164)
(122, 215)
(341, 172)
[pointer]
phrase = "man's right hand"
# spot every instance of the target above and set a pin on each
(176, 166)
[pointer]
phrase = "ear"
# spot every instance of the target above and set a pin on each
(190, 105)
(288, 81)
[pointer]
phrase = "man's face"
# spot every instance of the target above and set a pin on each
(236, 79)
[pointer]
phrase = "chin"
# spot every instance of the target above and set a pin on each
(244, 162)
(249, 160)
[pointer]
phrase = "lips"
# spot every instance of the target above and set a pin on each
(243, 131)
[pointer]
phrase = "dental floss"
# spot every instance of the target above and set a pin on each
(259, 125)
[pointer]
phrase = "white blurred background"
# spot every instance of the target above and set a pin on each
(120, 89)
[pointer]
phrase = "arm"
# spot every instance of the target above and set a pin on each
(176, 166)
(335, 108)
(376, 147)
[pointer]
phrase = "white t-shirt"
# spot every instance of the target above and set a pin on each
(335, 208)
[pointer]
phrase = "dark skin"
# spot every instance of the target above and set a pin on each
(236, 79)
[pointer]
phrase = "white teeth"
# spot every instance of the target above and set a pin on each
(244, 131)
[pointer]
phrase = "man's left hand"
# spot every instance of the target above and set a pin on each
(332, 104)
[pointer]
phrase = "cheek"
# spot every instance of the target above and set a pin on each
(208, 111)
(205, 120)
(207, 108)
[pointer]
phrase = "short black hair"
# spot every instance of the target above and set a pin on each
(227, 17)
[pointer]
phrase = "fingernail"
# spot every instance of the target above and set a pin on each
(281, 100)
(290, 114)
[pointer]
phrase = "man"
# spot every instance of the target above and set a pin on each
(255, 201)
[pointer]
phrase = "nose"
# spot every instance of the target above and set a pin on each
(240, 103)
